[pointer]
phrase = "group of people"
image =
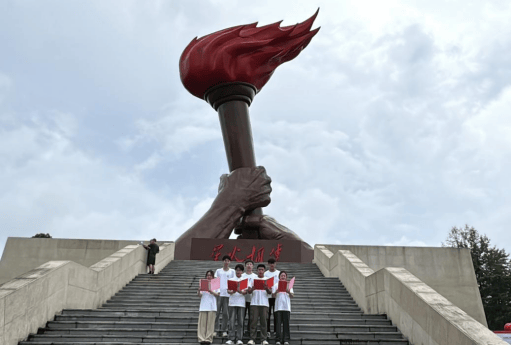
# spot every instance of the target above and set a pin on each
(234, 306)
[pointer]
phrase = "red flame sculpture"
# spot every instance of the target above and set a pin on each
(242, 53)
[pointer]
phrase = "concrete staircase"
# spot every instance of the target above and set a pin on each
(163, 308)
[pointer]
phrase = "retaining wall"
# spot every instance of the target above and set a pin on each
(422, 314)
(21, 254)
(28, 301)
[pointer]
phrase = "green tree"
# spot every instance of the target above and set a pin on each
(493, 273)
(41, 235)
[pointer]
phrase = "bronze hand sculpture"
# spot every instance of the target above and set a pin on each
(243, 189)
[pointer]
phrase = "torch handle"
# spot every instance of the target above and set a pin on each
(239, 147)
(231, 101)
(237, 134)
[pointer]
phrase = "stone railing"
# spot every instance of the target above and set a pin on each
(421, 314)
(28, 301)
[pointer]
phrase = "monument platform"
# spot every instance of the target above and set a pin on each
(114, 301)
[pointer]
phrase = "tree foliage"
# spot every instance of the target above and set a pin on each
(493, 273)
(41, 235)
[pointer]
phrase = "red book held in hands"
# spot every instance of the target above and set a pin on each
(232, 285)
(259, 284)
(270, 282)
(215, 284)
(283, 285)
(291, 283)
(204, 285)
(238, 286)
(243, 284)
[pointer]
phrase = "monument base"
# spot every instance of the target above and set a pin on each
(255, 250)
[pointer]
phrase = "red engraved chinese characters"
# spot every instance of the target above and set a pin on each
(260, 255)
(216, 252)
(233, 254)
(252, 255)
(276, 252)
(256, 255)
(243, 53)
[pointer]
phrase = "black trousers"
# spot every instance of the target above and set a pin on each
(247, 306)
(271, 301)
(282, 318)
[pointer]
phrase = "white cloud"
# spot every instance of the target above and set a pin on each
(49, 185)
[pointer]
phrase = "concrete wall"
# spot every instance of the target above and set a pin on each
(32, 299)
(449, 271)
(423, 315)
(22, 254)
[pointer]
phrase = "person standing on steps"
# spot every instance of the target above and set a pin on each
(153, 249)
(282, 311)
(272, 272)
(236, 309)
(259, 309)
(249, 266)
(225, 273)
(207, 313)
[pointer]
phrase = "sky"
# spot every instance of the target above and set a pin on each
(390, 128)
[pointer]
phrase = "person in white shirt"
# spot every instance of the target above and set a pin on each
(236, 309)
(207, 313)
(282, 311)
(272, 272)
(249, 266)
(224, 274)
(259, 308)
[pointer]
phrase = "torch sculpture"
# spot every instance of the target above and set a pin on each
(228, 68)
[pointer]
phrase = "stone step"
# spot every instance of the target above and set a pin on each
(303, 341)
(194, 300)
(137, 336)
(193, 293)
(299, 276)
(172, 316)
(192, 275)
(311, 308)
(219, 263)
(161, 326)
(312, 286)
(192, 332)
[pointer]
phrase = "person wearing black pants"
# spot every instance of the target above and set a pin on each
(282, 317)
(282, 312)
(272, 272)
(271, 302)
